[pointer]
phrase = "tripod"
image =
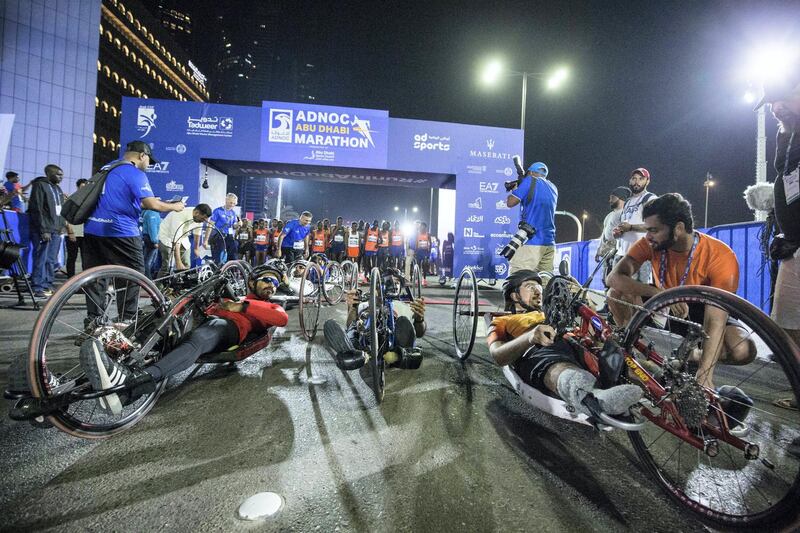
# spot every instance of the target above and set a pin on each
(17, 267)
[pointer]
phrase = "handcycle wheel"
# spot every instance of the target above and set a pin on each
(377, 321)
(350, 273)
(310, 296)
(416, 282)
(334, 283)
(465, 314)
(726, 489)
(237, 273)
(54, 367)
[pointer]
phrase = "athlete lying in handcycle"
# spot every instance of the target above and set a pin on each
(543, 361)
(227, 325)
(350, 345)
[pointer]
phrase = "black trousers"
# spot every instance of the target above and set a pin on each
(213, 335)
(124, 251)
(73, 248)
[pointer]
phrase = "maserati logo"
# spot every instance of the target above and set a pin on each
(490, 144)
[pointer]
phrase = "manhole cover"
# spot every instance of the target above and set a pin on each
(260, 506)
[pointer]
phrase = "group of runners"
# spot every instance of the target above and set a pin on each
(381, 243)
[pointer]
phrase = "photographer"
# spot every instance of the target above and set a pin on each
(538, 197)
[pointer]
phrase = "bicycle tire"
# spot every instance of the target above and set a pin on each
(465, 330)
(310, 295)
(783, 513)
(39, 374)
(416, 282)
(375, 342)
(334, 283)
(238, 273)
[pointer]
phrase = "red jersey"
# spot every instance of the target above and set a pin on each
(384, 242)
(257, 318)
(320, 241)
(372, 240)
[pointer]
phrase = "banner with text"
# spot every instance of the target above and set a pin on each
(324, 135)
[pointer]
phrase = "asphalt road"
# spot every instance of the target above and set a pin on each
(452, 448)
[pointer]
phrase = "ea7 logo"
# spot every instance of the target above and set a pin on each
(161, 167)
(502, 220)
(489, 186)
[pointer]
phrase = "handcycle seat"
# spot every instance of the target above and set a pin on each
(252, 344)
(542, 401)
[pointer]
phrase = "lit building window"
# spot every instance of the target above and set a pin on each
(107, 71)
(99, 66)
(105, 106)
(117, 43)
(126, 49)
(138, 26)
(94, 138)
(124, 82)
(101, 29)
(96, 101)
(115, 76)
(138, 93)
(112, 145)
(109, 37)
(113, 111)
(141, 63)
(103, 142)
(147, 69)
(133, 56)
(130, 17)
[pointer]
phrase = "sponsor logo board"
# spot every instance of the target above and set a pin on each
(477, 204)
(470, 232)
(491, 187)
(210, 126)
(174, 186)
(501, 204)
(425, 141)
(145, 119)
(475, 218)
(502, 220)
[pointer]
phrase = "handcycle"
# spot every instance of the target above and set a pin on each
(378, 330)
(58, 392)
(730, 473)
(334, 280)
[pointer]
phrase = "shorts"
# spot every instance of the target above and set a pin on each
(337, 249)
(533, 366)
(370, 254)
(420, 255)
(397, 251)
(261, 247)
(785, 307)
(534, 257)
(290, 255)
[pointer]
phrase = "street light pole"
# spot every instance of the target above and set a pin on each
(707, 184)
(761, 155)
(524, 99)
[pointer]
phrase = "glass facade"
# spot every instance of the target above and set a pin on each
(48, 80)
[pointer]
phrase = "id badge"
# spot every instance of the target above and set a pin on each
(791, 186)
(58, 210)
(230, 231)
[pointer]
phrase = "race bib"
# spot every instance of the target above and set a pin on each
(791, 186)
(299, 245)
(397, 240)
(317, 242)
(261, 239)
(353, 241)
(423, 245)
(245, 236)
(338, 238)
(372, 238)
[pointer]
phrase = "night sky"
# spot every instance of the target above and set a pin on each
(654, 84)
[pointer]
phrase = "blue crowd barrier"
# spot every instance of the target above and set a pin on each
(18, 224)
(743, 238)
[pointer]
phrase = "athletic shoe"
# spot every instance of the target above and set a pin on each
(345, 355)
(48, 292)
(40, 295)
(105, 373)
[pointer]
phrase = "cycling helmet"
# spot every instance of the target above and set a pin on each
(513, 283)
(263, 271)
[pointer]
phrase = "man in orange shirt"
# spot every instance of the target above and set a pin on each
(681, 256)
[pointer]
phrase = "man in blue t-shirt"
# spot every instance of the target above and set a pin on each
(14, 192)
(538, 198)
(111, 233)
(227, 222)
(293, 242)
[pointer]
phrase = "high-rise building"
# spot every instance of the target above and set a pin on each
(176, 17)
(48, 52)
(137, 57)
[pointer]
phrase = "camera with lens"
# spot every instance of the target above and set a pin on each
(524, 232)
(510, 185)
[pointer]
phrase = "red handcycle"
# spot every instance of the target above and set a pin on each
(137, 325)
(731, 473)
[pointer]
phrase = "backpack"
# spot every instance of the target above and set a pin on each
(81, 204)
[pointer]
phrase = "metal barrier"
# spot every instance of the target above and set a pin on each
(743, 238)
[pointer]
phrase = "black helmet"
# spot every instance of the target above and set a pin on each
(513, 282)
(265, 270)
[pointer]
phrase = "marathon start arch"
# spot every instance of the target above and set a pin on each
(338, 144)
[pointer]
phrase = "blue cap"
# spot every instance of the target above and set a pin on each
(539, 167)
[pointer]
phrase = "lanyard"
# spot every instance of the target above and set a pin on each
(662, 268)
(788, 151)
